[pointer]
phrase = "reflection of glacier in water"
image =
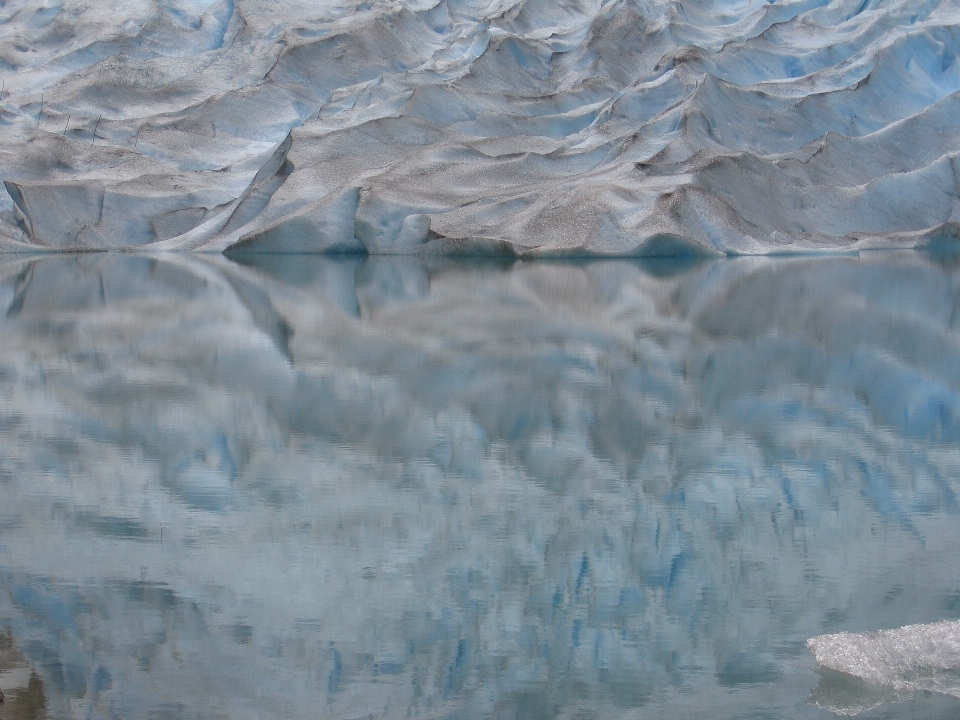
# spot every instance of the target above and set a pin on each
(305, 486)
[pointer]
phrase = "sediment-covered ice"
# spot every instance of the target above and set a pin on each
(517, 126)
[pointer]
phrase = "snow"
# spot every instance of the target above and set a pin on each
(518, 127)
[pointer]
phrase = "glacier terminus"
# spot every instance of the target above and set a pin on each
(517, 127)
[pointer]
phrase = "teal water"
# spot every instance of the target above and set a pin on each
(301, 486)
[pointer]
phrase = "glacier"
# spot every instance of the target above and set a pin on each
(328, 486)
(501, 127)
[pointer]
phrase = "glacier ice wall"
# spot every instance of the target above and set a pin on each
(625, 127)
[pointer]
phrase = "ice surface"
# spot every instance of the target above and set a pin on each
(625, 127)
(914, 657)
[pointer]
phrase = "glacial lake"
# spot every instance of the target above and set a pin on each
(315, 487)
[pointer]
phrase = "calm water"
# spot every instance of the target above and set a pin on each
(301, 487)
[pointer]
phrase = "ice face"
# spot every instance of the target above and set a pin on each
(513, 127)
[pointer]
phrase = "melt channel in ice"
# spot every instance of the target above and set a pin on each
(532, 127)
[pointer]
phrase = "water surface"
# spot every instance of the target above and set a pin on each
(301, 486)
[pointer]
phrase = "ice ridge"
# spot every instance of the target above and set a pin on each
(526, 127)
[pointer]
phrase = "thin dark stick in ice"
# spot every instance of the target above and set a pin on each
(66, 126)
(40, 114)
(94, 140)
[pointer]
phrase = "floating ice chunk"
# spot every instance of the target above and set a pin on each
(914, 657)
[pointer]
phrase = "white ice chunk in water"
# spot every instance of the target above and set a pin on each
(910, 658)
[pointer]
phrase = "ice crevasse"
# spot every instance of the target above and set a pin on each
(525, 127)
